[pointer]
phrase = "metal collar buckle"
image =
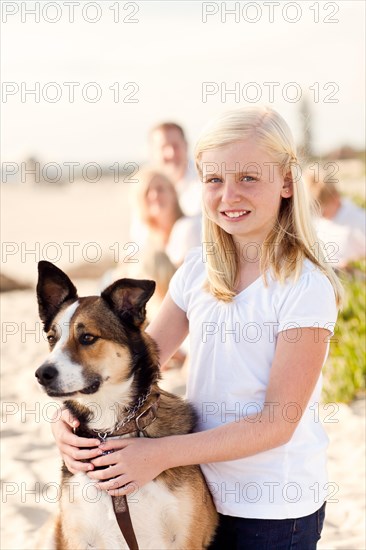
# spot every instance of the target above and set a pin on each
(141, 415)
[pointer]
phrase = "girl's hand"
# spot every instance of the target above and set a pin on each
(134, 462)
(71, 446)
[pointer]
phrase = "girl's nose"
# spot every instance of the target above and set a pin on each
(230, 192)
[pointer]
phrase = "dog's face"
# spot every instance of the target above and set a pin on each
(96, 343)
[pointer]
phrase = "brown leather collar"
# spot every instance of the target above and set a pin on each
(141, 421)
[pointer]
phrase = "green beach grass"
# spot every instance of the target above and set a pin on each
(345, 369)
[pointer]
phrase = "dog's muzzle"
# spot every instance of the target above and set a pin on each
(48, 376)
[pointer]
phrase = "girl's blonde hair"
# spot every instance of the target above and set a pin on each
(293, 237)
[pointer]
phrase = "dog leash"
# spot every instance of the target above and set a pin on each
(123, 517)
(122, 512)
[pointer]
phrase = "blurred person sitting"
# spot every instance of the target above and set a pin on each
(162, 226)
(333, 205)
(169, 155)
(340, 224)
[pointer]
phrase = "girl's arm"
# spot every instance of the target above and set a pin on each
(294, 374)
(295, 370)
(168, 329)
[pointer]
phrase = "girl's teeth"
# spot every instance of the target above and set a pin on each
(235, 214)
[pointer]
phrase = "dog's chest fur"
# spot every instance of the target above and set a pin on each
(92, 523)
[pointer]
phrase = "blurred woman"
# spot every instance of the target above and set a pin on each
(159, 223)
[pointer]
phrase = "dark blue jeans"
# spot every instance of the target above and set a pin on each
(269, 534)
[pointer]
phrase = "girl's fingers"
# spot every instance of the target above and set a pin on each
(80, 454)
(107, 474)
(112, 444)
(106, 460)
(76, 441)
(113, 484)
(125, 490)
(74, 466)
(67, 417)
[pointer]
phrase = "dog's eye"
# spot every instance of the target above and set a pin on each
(51, 339)
(87, 339)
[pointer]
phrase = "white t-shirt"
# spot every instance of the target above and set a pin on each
(351, 215)
(232, 346)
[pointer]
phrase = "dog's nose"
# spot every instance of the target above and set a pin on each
(46, 374)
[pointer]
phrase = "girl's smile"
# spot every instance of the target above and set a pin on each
(235, 215)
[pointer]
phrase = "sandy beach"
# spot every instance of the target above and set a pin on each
(88, 223)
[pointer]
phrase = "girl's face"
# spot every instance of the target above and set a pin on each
(242, 190)
(160, 196)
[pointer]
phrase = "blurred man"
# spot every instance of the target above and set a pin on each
(169, 154)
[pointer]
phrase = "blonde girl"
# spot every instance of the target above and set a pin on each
(260, 304)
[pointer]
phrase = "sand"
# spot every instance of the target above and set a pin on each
(30, 462)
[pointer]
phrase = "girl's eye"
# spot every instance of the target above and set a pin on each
(51, 339)
(87, 339)
(248, 178)
(213, 180)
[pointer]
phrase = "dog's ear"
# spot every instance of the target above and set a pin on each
(53, 289)
(128, 297)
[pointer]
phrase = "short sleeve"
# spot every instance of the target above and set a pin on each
(310, 302)
(184, 277)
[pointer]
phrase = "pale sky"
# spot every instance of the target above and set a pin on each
(169, 53)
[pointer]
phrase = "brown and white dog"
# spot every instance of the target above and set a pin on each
(105, 369)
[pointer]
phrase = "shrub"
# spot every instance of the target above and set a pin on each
(345, 369)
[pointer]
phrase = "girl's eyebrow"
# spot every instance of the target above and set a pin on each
(236, 174)
(212, 175)
(240, 172)
(251, 171)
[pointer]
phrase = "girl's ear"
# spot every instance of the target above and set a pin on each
(287, 188)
